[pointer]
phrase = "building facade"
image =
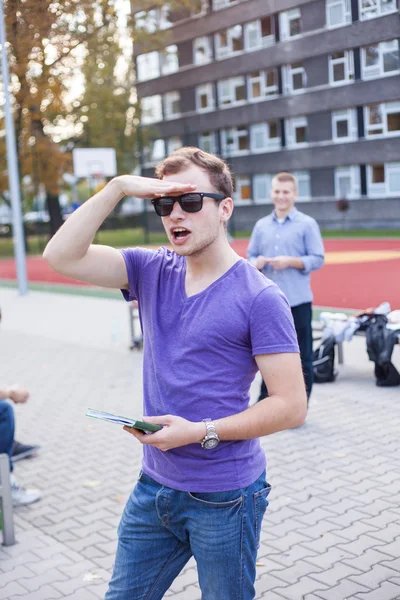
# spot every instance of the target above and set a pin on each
(281, 85)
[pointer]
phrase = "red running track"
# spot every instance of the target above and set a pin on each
(357, 285)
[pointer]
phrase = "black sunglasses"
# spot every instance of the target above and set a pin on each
(191, 202)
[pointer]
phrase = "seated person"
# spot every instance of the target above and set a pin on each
(8, 445)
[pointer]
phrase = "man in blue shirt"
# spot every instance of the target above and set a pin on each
(286, 246)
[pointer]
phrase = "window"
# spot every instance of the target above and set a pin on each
(264, 137)
(151, 109)
(242, 194)
(218, 4)
(382, 119)
(384, 179)
(369, 9)
(303, 184)
(290, 23)
(154, 152)
(202, 51)
(174, 143)
(294, 77)
(261, 188)
(207, 142)
(380, 60)
(338, 13)
(172, 105)
(235, 141)
(344, 125)
(231, 91)
(147, 66)
(341, 67)
(169, 60)
(347, 182)
(262, 85)
(229, 41)
(296, 131)
(205, 97)
(259, 34)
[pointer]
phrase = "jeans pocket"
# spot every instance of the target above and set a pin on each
(217, 499)
(260, 506)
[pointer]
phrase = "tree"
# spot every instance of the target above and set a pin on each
(46, 39)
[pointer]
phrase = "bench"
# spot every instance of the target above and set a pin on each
(6, 502)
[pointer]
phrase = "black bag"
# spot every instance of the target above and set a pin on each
(380, 344)
(324, 361)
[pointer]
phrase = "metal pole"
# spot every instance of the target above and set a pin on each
(12, 163)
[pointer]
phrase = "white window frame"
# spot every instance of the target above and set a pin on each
(156, 101)
(152, 157)
(264, 180)
(375, 9)
(270, 144)
(349, 115)
(169, 60)
(235, 134)
(290, 129)
(254, 29)
(200, 57)
(207, 89)
(267, 92)
(376, 71)
(222, 52)
(288, 74)
(382, 190)
(352, 173)
(153, 20)
(208, 137)
(344, 6)
(242, 181)
(227, 91)
(173, 143)
(386, 108)
(284, 23)
(303, 178)
(169, 99)
(148, 66)
(348, 61)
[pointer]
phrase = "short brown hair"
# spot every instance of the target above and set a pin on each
(216, 168)
(286, 177)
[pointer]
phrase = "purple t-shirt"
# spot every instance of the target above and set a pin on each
(199, 360)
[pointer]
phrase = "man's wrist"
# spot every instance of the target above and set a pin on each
(116, 186)
(199, 432)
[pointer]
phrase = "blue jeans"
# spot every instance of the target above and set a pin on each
(7, 427)
(162, 528)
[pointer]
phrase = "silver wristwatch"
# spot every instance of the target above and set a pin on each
(211, 439)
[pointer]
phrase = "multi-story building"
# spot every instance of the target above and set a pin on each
(282, 85)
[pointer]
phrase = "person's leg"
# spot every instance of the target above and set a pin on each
(7, 428)
(302, 316)
(149, 555)
(224, 529)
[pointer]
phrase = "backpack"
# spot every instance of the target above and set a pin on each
(380, 344)
(324, 361)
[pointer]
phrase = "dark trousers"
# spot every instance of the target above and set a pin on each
(302, 316)
(7, 428)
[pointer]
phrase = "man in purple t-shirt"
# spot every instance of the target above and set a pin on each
(210, 321)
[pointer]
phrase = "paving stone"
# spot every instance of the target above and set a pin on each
(387, 591)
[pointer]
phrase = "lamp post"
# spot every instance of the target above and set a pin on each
(12, 163)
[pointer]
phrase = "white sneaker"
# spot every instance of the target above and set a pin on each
(21, 495)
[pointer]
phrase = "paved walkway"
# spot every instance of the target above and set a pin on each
(332, 531)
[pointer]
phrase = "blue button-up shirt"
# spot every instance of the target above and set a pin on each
(298, 235)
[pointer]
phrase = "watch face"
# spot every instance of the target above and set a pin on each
(211, 443)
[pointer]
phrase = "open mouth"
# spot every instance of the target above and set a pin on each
(180, 235)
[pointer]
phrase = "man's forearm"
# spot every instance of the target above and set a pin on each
(296, 263)
(263, 418)
(73, 239)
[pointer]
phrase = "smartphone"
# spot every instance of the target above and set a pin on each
(106, 416)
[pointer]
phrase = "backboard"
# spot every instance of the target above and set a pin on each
(91, 162)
